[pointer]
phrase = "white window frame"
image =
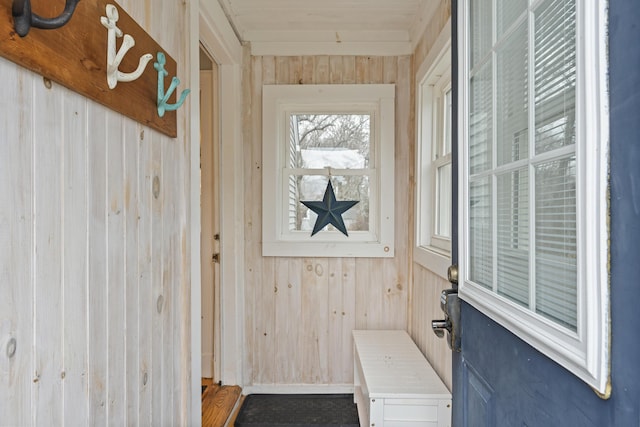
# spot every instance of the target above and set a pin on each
(278, 102)
(433, 75)
(585, 353)
(439, 91)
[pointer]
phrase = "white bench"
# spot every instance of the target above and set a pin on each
(395, 385)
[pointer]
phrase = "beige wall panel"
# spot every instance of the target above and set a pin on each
(425, 285)
(335, 286)
(75, 261)
(336, 69)
(300, 311)
(251, 69)
(47, 192)
(288, 333)
(133, 242)
(145, 197)
(321, 69)
(348, 69)
(426, 301)
(439, 19)
(16, 261)
(94, 267)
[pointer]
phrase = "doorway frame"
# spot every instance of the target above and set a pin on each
(210, 217)
(210, 28)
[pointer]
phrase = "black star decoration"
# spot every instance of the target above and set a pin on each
(330, 211)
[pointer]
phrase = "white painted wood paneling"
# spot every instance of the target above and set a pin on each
(75, 270)
(133, 240)
(47, 303)
(98, 349)
(16, 247)
(169, 281)
(426, 307)
(336, 27)
(157, 237)
(145, 197)
(308, 14)
(94, 270)
(299, 312)
(425, 284)
(115, 270)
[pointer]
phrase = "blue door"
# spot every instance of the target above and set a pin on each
(499, 380)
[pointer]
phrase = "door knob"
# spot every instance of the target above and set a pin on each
(439, 326)
(450, 305)
(452, 274)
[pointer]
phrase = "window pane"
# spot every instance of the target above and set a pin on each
(555, 74)
(556, 274)
(512, 107)
(481, 23)
(480, 233)
(443, 220)
(312, 188)
(447, 123)
(513, 236)
(480, 121)
(340, 141)
(508, 12)
(552, 220)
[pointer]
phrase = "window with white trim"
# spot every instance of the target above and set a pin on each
(313, 134)
(433, 148)
(534, 175)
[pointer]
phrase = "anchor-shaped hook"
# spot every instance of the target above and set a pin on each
(115, 58)
(24, 18)
(162, 96)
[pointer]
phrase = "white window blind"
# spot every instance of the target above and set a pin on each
(533, 174)
(522, 197)
(294, 191)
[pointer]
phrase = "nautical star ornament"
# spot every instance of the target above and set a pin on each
(330, 211)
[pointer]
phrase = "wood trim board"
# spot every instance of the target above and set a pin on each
(75, 56)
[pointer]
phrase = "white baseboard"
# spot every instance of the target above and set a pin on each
(298, 389)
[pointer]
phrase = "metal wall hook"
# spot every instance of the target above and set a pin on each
(162, 96)
(24, 18)
(114, 57)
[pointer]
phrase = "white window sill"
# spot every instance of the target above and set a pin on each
(433, 259)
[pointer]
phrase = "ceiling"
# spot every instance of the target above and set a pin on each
(329, 26)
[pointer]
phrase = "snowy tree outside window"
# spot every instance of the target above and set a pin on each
(329, 143)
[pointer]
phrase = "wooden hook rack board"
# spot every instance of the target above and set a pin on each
(75, 56)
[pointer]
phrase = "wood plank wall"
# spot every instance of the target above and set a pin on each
(94, 287)
(426, 286)
(299, 312)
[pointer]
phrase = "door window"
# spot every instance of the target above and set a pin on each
(533, 165)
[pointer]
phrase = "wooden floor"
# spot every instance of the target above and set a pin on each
(220, 404)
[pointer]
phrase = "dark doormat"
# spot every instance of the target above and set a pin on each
(300, 410)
